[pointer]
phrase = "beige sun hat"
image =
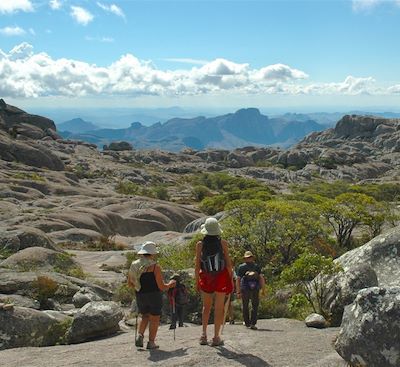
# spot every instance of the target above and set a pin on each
(211, 227)
(248, 254)
(148, 248)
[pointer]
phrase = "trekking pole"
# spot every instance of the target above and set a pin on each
(174, 313)
(226, 307)
(136, 326)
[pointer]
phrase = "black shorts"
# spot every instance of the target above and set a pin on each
(149, 303)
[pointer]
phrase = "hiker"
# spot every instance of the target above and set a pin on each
(249, 282)
(146, 277)
(213, 276)
(178, 298)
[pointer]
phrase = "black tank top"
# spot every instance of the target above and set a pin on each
(148, 282)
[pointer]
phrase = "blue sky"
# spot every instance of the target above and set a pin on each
(319, 54)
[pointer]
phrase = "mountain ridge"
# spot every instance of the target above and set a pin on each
(246, 126)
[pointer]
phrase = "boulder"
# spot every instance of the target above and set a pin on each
(119, 146)
(343, 289)
(20, 301)
(26, 327)
(84, 296)
(24, 237)
(370, 330)
(382, 253)
(94, 320)
(35, 258)
(316, 320)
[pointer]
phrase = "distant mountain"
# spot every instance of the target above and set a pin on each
(244, 127)
(77, 126)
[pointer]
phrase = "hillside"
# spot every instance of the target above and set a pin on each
(244, 127)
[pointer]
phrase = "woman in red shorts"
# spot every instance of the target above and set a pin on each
(213, 274)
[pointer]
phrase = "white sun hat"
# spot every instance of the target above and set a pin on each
(148, 248)
(211, 227)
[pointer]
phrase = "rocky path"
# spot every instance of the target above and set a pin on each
(277, 343)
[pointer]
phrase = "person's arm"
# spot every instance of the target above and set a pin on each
(197, 264)
(130, 280)
(160, 281)
(238, 280)
(228, 261)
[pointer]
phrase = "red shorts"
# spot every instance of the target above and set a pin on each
(219, 282)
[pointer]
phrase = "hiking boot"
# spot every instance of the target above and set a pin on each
(203, 340)
(232, 322)
(139, 341)
(171, 327)
(152, 345)
(253, 327)
(181, 325)
(247, 325)
(217, 342)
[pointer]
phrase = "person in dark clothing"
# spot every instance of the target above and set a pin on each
(178, 298)
(146, 277)
(249, 282)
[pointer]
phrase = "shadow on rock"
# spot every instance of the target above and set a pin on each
(245, 359)
(157, 355)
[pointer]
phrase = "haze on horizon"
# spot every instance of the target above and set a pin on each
(216, 55)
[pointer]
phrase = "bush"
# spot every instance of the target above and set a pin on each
(29, 176)
(199, 192)
(127, 188)
(44, 288)
(309, 273)
(107, 243)
(161, 192)
(124, 294)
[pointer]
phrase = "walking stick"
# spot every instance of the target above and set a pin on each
(174, 313)
(136, 326)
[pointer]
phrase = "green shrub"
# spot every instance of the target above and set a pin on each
(33, 176)
(127, 188)
(44, 288)
(124, 294)
(200, 192)
(161, 192)
(107, 243)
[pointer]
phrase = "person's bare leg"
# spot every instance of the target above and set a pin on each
(207, 304)
(218, 312)
(153, 327)
(143, 323)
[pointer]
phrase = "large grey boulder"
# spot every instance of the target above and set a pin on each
(20, 301)
(382, 253)
(84, 296)
(343, 289)
(370, 332)
(22, 327)
(95, 319)
(24, 237)
(39, 258)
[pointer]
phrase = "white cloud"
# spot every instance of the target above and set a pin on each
(27, 74)
(12, 6)
(369, 5)
(81, 15)
(185, 60)
(12, 31)
(114, 9)
(100, 39)
(55, 4)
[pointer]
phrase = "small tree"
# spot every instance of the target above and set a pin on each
(309, 273)
(345, 213)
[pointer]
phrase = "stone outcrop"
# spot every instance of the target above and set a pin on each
(22, 327)
(370, 330)
(93, 320)
(316, 321)
(343, 289)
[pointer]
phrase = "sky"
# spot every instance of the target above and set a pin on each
(316, 55)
